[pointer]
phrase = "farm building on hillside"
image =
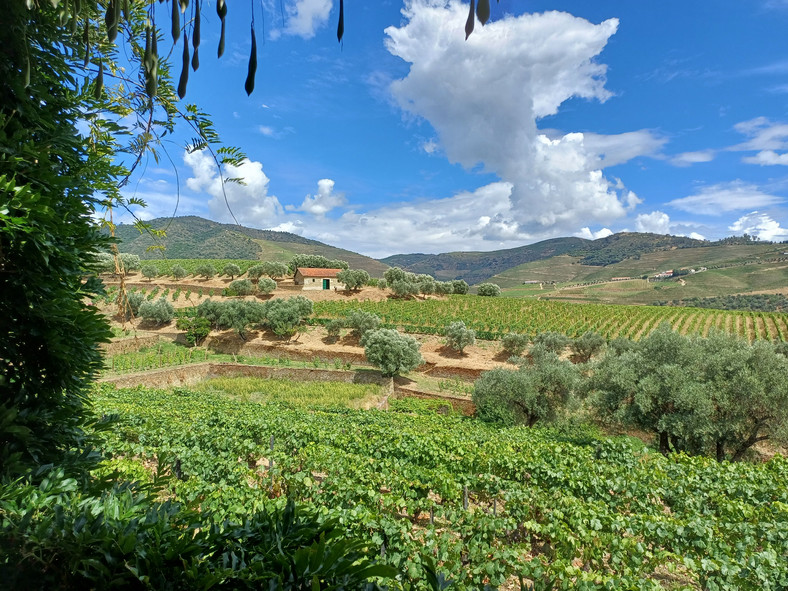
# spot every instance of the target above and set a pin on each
(310, 278)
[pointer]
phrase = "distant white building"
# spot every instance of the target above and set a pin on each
(317, 279)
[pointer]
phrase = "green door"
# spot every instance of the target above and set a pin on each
(326, 284)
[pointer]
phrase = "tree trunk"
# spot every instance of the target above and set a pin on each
(720, 450)
(664, 446)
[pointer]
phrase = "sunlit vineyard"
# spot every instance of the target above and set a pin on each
(488, 505)
(493, 317)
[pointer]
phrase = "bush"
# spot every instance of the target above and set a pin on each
(158, 312)
(360, 322)
(354, 279)
(128, 262)
(403, 288)
(427, 287)
(526, 395)
(205, 270)
(232, 270)
(178, 272)
(241, 287)
(334, 328)
(587, 346)
(460, 286)
(458, 336)
(382, 284)
(196, 329)
(515, 343)
(488, 290)
(552, 341)
(393, 353)
(444, 287)
(150, 271)
(131, 308)
(266, 285)
(239, 315)
(104, 262)
(395, 274)
(255, 272)
(284, 316)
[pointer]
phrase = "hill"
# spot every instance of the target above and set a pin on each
(191, 237)
(475, 267)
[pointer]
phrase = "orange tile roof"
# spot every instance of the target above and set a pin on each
(311, 272)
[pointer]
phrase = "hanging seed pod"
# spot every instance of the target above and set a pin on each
(26, 69)
(196, 59)
(184, 79)
(221, 10)
(184, 5)
(99, 81)
(469, 23)
(110, 21)
(176, 21)
(341, 23)
(126, 10)
(196, 30)
(249, 84)
(483, 11)
(151, 62)
(86, 42)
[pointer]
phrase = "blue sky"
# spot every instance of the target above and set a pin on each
(558, 118)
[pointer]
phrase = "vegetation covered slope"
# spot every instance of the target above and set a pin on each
(192, 237)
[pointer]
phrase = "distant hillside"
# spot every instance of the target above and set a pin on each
(192, 237)
(475, 267)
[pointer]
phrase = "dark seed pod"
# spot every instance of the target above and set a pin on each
(126, 10)
(196, 30)
(341, 23)
(483, 11)
(221, 10)
(111, 22)
(249, 84)
(176, 21)
(196, 59)
(86, 42)
(469, 23)
(184, 79)
(99, 81)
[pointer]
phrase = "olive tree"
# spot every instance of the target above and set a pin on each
(393, 353)
(205, 270)
(354, 279)
(515, 343)
(552, 341)
(150, 271)
(241, 287)
(178, 272)
(488, 290)
(158, 312)
(266, 285)
(587, 345)
(232, 270)
(458, 336)
(360, 322)
(460, 286)
(527, 395)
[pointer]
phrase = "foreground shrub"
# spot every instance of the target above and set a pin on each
(393, 353)
(360, 322)
(587, 346)
(241, 287)
(178, 272)
(158, 312)
(488, 290)
(458, 336)
(196, 329)
(266, 285)
(131, 307)
(515, 343)
(150, 271)
(552, 341)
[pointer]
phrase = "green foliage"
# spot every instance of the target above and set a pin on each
(105, 263)
(587, 345)
(354, 279)
(274, 269)
(196, 329)
(206, 270)
(133, 301)
(158, 312)
(757, 302)
(717, 396)
(125, 539)
(403, 289)
(232, 270)
(178, 272)
(395, 274)
(393, 353)
(382, 284)
(284, 316)
(444, 287)
(150, 271)
(458, 336)
(488, 290)
(515, 343)
(235, 314)
(552, 341)
(241, 287)
(315, 261)
(461, 287)
(128, 262)
(334, 328)
(527, 395)
(266, 285)
(360, 322)
(255, 272)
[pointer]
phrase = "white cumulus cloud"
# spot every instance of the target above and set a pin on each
(305, 17)
(249, 202)
(760, 225)
(323, 201)
(485, 95)
(656, 222)
(769, 139)
(589, 235)
(725, 197)
(690, 158)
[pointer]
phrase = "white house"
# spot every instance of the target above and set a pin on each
(316, 279)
